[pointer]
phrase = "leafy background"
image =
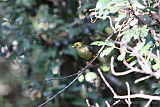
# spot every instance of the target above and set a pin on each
(36, 38)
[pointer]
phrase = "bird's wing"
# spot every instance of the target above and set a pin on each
(97, 61)
(91, 50)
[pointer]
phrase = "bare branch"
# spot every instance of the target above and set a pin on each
(110, 21)
(129, 93)
(119, 73)
(142, 79)
(148, 103)
(87, 102)
(144, 96)
(79, 74)
(142, 61)
(107, 84)
(97, 105)
(116, 102)
(62, 77)
(107, 103)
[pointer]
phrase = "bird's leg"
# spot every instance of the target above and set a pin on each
(87, 63)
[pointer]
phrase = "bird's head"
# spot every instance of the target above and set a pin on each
(77, 45)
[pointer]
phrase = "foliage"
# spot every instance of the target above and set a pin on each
(36, 38)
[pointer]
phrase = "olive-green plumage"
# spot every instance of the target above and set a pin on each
(84, 52)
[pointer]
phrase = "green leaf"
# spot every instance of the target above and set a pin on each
(139, 46)
(121, 56)
(129, 59)
(139, 4)
(128, 35)
(70, 51)
(156, 66)
(114, 9)
(109, 43)
(154, 85)
(81, 78)
(101, 3)
(157, 91)
(90, 76)
(85, 6)
(148, 18)
(106, 51)
(144, 31)
(145, 48)
(133, 63)
(99, 43)
(26, 43)
(52, 53)
(105, 68)
(36, 55)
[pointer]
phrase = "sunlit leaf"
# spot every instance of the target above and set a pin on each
(133, 62)
(129, 59)
(157, 91)
(139, 46)
(154, 85)
(98, 43)
(156, 66)
(139, 4)
(109, 43)
(121, 56)
(102, 3)
(145, 49)
(105, 68)
(81, 78)
(106, 51)
(144, 31)
(128, 35)
(90, 76)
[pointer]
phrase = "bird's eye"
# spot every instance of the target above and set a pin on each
(76, 44)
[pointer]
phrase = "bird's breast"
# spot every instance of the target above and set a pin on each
(84, 53)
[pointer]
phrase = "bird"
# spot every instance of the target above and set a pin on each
(85, 52)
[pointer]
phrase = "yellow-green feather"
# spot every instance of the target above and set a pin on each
(84, 53)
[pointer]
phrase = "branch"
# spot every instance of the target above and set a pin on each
(107, 83)
(107, 103)
(127, 97)
(62, 77)
(148, 103)
(110, 21)
(79, 74)
(142, 78)
(119, 73)
(144, 96)
(87, 102)
(128, 101)
(142, 61)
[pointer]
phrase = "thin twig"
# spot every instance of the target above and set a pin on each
(97, 105)
(110, 21)
(116, 102)
(129, 93)
(80, 73)
(142, 79)
(66, 87)
(148, 103)
(142, 63)
(119, 73)
(107, 103)
(144, 96)
(87, 102)
(158, 52)
(106, 82)
(62, 77)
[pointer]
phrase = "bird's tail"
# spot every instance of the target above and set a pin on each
(96, 61)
